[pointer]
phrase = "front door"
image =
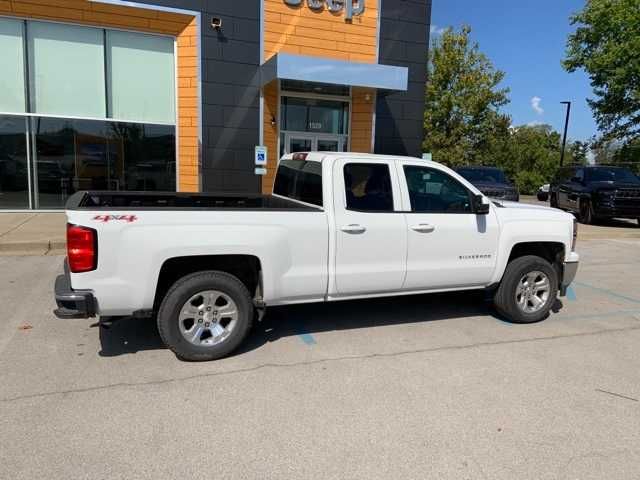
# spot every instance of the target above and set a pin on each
(448, 245)
(309, 142)
(371, 232)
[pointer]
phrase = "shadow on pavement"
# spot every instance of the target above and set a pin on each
(130, 335)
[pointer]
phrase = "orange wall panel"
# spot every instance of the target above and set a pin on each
(270, 134)
(320, 33)
(183, 27)
(362, 109)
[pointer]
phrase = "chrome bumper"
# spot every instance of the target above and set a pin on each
(569, 271)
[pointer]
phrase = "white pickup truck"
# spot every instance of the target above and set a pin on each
(337, 226)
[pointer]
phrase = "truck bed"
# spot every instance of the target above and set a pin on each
(105, 200)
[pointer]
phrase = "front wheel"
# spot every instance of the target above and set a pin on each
(528, 290)
(205, 316)
(585, 211)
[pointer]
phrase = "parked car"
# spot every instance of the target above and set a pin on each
(491, 181)
(543, 192)
(338, 226)
(596, 192)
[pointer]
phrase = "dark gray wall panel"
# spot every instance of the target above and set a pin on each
(230, 91)
(404, 41)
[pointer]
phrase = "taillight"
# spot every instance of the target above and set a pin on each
(300, 156)
(575, 235)
(82, 248)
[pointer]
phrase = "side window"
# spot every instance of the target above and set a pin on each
(580, 175)
(368, 187)
(433, 191)
(300, 180)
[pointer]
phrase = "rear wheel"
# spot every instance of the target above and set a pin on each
(528, 290)
(205, 316)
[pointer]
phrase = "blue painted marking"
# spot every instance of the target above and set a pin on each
(571, 294)
(307, 338)
(608, 292)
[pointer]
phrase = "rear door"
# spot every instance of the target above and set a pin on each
(449, 246)
(371, 232)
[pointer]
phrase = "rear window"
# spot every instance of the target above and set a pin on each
(300, 180)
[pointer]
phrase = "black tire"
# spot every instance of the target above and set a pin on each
(553, 200)
(585, 211)
(505, 297)
(181, 292)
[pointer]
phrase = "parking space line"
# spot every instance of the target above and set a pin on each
(608, 292)
(307, 338)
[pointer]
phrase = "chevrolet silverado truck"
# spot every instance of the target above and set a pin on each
(338, 226)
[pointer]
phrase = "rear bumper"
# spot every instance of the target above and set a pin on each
(72, 303)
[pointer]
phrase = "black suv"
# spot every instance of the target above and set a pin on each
(594, 192)
(491, 181)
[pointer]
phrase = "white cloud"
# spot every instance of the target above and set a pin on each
(535, 123)
(436, 31)
(535, 104)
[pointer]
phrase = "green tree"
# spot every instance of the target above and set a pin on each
(606, 44)
(629, 155)
(462, 121)
(577, 152)
(531, 157)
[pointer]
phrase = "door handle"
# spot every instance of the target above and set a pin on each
(353, 228)
(423, 228)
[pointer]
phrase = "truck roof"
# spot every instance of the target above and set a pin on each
(320, 156)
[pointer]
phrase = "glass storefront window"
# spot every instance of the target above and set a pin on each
(314, 115)
(12, 96)
(14, 177)
(66, 69)
(141, 75)
(74, 155)
(95, 110)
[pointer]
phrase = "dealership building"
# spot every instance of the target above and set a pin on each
(176, 94)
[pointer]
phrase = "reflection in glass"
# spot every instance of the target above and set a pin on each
(328, 145)
(300, 145)
(14, 189)
(74, 155)
(312, 115)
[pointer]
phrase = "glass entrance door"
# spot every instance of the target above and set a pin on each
(328, 145)
(308, 142)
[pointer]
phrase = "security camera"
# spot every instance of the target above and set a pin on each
(216, 23)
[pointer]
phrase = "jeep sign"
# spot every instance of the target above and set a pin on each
(352, 7)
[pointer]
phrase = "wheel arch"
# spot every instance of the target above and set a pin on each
(247, 268)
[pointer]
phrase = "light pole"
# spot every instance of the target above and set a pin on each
(566, 127)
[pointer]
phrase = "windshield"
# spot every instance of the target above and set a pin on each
(611, 174)
(488, 175)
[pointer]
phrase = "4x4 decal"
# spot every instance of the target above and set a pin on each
(118, 218)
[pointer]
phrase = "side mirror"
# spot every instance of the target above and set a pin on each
(479, 207)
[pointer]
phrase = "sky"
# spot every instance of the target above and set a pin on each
(527, 40)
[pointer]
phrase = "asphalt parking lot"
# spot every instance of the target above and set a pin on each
(417, 387)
